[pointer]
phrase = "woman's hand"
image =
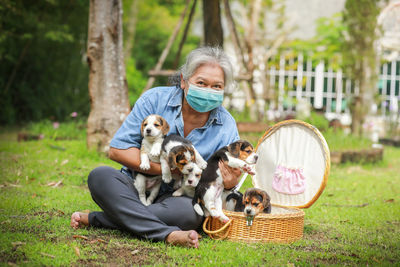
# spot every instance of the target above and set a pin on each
(229, 175)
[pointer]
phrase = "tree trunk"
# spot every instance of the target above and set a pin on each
(213, 34)
(108, 88)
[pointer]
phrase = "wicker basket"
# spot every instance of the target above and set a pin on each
(286, 222)
(284, 225)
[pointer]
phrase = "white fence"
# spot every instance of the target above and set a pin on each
(327, 89)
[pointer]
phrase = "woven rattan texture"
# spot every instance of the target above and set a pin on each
(279, 228)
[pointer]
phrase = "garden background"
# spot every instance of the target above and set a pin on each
(45, 105)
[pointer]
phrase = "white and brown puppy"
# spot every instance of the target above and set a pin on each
(188, 183)
(208, 195)
(179, 153)
(153, 129)
(255, 201)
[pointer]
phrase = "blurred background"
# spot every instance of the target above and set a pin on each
(331, 61)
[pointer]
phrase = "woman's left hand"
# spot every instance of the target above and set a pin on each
(229, 175)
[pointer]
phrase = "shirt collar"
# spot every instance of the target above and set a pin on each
(176, 101)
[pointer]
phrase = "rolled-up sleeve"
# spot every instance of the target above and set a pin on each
(128, 135)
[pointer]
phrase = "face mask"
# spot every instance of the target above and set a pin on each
(203, 99)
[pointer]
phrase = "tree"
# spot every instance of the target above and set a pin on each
(360, 17)
(42, 74)
(108, 88)
(213, 34)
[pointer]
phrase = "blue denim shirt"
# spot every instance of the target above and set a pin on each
(220, 129)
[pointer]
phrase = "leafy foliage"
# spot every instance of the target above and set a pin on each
(326, 45)
(155, 23)
(42, 71)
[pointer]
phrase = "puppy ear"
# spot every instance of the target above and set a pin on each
(142, 126)
(172, 160)
(192, 154)
(164, 125)
(265, 199)
(234, 149)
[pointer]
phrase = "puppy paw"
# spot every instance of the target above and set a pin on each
(249, 169)
(177, 193)
(224, 219)
(155, 150)
(144, 165)
(202, 165)
(167, 178)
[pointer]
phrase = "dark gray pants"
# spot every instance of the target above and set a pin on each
(122, 209)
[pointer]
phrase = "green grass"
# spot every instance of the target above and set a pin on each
(356, 221)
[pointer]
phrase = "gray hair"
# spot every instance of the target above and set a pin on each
(201, 56)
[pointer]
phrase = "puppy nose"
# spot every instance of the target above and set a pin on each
(148, 130)
(248, 211)
(255, 157)
(190, 181)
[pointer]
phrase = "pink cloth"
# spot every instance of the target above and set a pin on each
(289, 181)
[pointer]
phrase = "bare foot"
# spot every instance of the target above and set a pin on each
(78, 219)
(183, 238)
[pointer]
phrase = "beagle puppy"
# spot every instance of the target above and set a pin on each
(208, 194)
(179, 153)
(153, 129)
(255, 200)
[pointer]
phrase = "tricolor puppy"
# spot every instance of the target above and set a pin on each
(153, 129)
(179, 153)
(255, 201)
(188, 183)
(208, 194)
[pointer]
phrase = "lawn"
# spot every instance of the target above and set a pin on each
(356, 221)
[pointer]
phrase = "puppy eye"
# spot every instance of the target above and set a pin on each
(145, 124)
(255, 204)
(156, 124)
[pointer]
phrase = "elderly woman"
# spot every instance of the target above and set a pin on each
(192, 107)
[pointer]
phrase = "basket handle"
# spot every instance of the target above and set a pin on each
(211, 233)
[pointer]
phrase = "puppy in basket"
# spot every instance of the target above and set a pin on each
(255, 201)
(207, 200)
(179, 153)
(154, 128)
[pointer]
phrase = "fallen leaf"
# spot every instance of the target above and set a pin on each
(55, 184)
(64, 162)
(376, 260)
(389, 200)
(80, 236)
(102, 241)
(47, 255)
(77, 251)
(136, 251)
(18, 243)
(34, 195)
(15, 185)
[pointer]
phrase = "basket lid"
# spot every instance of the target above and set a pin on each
(293, 164)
